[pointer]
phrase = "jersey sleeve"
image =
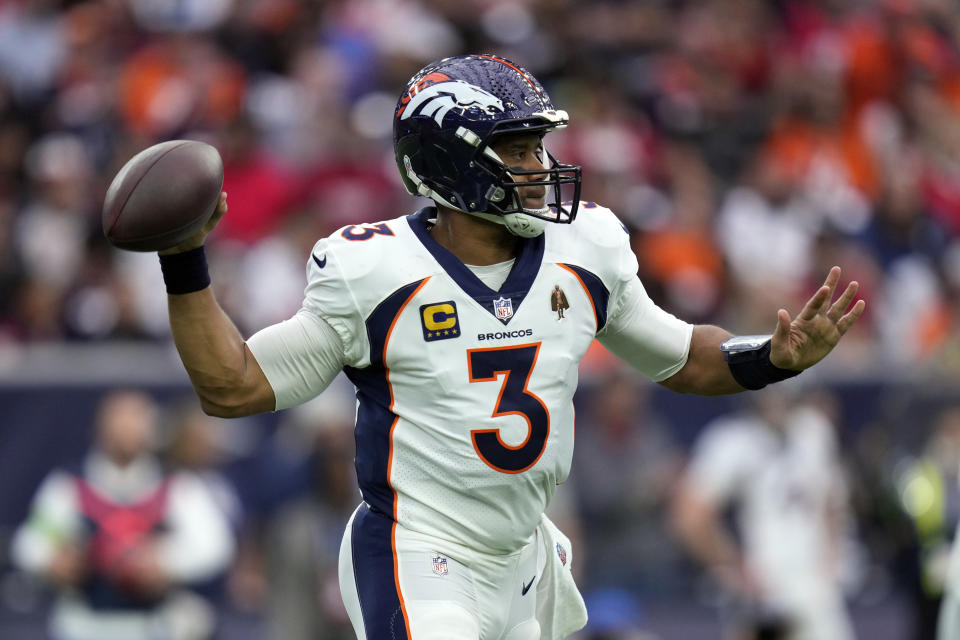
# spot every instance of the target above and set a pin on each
(329, 296)
(646, 337)
(299, 357)
(302, 355)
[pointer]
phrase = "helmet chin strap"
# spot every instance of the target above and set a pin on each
(519, 224)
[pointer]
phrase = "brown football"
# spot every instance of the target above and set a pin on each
(163, 195)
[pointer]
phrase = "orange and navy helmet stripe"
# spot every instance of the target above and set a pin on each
(522, 73)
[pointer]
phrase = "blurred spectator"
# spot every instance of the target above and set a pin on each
(948, 620)
(121, 540)
(884, 529)
(767, 232)
(201, 445)
(930, 490)
(300, 541)
(777, 466)
(177, 15)
(264, 190)
(52, 227)
(177, 82)
(682, 252)
(11, 273)
(625, 464)
(32, 47)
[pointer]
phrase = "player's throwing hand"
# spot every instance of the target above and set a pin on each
(802, 342)
(197, 239)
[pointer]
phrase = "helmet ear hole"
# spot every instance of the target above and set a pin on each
(408, 151)
(440, 163)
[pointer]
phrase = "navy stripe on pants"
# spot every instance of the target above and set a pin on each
(372, 550)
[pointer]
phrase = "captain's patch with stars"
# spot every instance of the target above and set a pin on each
(439, 321)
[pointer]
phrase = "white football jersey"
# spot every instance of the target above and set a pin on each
(465, 419)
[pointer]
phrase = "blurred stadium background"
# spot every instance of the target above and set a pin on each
(747, 144)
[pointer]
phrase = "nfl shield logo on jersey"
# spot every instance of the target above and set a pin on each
(503, 308)
(562, 554)
(440, 565)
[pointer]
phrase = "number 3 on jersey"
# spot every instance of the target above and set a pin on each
(367, 231)
(515, 364)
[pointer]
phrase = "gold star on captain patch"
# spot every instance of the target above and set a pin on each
(429, 335)
(446, 333)
(454, 331)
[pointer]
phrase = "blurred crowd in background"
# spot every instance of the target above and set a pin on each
(748, 145)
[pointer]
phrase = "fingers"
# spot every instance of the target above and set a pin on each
(780, 352)
(816, 303)
(844, 323)
(832, 279)
(837, 308)
(820, 302)
(218, 213)
(783, 325)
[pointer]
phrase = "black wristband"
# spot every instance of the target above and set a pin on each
(185, 272)
(752, 368)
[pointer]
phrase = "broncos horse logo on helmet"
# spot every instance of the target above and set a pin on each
(439, 99)
(445, 121)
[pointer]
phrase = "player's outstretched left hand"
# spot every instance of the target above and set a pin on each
(805, 340)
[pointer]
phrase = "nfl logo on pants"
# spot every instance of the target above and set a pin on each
(440, 565)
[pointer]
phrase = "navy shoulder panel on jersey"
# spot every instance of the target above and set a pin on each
(598, 292)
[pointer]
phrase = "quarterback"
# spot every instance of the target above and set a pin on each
(461, 326)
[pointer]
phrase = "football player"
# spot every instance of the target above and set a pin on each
(776, 465)
(446, 322)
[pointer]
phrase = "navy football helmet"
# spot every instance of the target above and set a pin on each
(443, 127)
